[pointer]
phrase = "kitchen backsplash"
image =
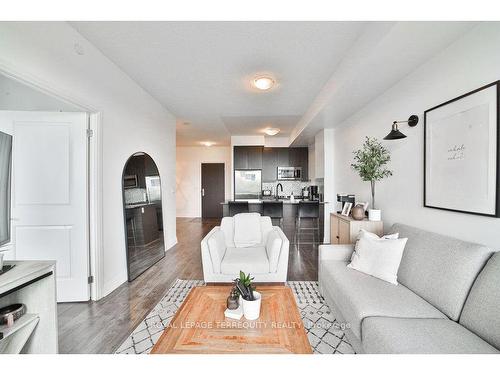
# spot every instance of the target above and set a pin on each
(135, 195)
(289, 187)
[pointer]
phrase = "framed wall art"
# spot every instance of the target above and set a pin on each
(461, 153)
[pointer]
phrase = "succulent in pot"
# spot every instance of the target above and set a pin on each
(250, 299)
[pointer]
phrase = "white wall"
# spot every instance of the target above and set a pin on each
(276, 141)
(188, 180)
(469, 63)
(15, 96)
(132, 120)
(319, 155)
(312, 161)
(329, 193)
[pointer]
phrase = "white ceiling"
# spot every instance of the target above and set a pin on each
(381, 57)
(201, 71)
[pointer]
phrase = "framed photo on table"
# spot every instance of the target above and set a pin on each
(346, 211)
(461, 153)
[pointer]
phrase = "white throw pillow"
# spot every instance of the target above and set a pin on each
(247, 230)
(273, 249)
(364, 233)
(379, 258)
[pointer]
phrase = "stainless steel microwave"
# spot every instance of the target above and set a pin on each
(289, 173)
(130, 181)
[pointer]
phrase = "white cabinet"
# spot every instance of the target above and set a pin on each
(33, 284)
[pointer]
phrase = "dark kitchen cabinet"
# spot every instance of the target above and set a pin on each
(240, 157)
(284, 157)
(299, 157)
(270, 158)
(269, 164)
(255, 157)
(248, 157)
(142, 225)
(137, 167)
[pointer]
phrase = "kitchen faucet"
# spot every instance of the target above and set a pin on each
(277, 193)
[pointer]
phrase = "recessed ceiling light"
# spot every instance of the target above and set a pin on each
(263, 82)
(208, 144)
(271, 131)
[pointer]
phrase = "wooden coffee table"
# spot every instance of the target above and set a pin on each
(199, 326)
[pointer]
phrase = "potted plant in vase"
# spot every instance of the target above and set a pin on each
(250, 299)
(370, 163)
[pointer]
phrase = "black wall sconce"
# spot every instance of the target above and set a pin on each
(395, 133)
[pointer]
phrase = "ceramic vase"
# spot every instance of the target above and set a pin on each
(358, 212)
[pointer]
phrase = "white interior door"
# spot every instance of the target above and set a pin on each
(49, 194)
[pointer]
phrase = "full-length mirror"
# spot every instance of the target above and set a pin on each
(143, 214)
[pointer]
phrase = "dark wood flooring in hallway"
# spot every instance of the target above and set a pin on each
(100, 327)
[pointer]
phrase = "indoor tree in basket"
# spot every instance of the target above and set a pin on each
(370, 163)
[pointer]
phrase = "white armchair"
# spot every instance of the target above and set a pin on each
(247, 242)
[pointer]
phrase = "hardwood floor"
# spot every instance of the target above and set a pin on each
(100, 327)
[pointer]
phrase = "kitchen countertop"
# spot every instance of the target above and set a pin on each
(259, 201)
(139, 205)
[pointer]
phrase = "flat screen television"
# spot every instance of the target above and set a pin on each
(5, 163)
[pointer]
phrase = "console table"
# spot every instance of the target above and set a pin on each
(344, 229)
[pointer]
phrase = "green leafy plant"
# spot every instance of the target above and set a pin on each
(370, 163)
(246, 279)
(245, 287)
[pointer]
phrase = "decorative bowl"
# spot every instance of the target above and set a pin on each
(16, 310)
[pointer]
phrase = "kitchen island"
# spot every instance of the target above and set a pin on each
(289, 213)
(144, 229)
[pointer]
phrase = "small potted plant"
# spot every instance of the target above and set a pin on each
(250, 299)
(370, 163)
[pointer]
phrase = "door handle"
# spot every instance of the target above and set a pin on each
(202, 192)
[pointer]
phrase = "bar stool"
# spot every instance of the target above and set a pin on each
(273, 209)
(237, 208)
(308, 211)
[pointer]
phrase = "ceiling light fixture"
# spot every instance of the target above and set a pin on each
(271, 131)
(263, 82)
(208, 144)
(395, 133)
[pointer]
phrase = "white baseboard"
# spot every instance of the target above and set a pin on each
(171, 244)
(111, 285)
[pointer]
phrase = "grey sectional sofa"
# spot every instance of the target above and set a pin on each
(447, 300)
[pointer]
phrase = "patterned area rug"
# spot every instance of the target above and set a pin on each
(324, 332)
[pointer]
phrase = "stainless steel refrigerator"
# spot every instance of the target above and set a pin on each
(247, 184)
